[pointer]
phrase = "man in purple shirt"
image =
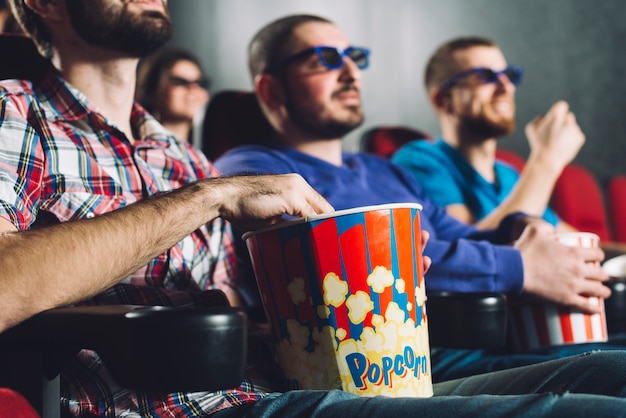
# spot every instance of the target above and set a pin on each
(311, 97)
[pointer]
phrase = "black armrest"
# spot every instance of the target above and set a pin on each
(467, 320)
(194, 348)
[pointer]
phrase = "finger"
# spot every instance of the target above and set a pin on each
(427, 262)
(592, 288)
(425, 237)
(586, 305)
(559, 110)
(591, 254)
(594, 273)
(318, 203)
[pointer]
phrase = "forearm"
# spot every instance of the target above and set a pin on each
(473, 266)
(55, 266)
(531, 194)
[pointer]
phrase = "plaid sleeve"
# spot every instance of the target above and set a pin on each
(130, 294)
(21, 159)
(221, 242)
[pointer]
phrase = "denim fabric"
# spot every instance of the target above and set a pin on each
(591, 384)
(456, 363)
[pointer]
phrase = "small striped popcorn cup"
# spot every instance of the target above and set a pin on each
(538, 323)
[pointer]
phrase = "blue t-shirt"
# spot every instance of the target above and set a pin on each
(463, 258)
(448, 178)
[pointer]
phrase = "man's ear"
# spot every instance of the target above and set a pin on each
(269, 90)
(440, 100)
(49, 9)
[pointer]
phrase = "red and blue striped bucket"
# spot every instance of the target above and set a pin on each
(345, 296)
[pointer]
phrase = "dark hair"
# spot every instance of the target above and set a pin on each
(442, 65)
(9, 25)
(33, 26)
(152, 67)
(270, 45)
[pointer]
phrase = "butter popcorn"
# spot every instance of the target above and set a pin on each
(379, 279)
(296, 290)
(335, 290)
(359, 305)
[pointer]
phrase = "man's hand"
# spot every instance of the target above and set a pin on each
(555, 138)
(426, 261)
(251, 202)
(562, 274)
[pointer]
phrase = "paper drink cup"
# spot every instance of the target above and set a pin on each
(344, 293)
(537, 323)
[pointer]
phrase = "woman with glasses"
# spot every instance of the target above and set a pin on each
(173, 87)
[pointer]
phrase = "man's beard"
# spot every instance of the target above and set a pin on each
(486, 128)
(115, 28)
(309, 120)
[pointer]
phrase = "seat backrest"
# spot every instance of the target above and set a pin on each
(385, 140)
(233, 118)
(616, 197)
(14, 405)
(512, 158)
(20, 58)
(578, 199)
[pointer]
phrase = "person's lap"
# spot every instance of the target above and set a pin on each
(450, 364)
(591, 384)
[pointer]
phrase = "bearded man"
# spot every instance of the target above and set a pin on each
(99, 204)
(472, 90)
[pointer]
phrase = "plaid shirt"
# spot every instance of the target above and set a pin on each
(60, 160)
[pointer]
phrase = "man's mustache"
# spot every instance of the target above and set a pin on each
(346, 88)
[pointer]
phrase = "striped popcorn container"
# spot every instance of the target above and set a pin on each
(344, 293)
(536, 323)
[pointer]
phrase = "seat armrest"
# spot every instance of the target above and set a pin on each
(155, 348)
(467, 320)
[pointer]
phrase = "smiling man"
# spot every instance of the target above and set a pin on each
(472, 90)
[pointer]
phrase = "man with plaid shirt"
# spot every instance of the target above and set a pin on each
(99, 204)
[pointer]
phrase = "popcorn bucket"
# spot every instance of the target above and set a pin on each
(345, 296)
(536, 323)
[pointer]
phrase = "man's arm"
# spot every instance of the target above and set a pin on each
(554, 140)
(562, 274)
(62, 264)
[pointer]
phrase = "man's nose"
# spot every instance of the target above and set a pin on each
(350, 69)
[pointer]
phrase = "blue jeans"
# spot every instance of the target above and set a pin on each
(591, 384)
(455, 363)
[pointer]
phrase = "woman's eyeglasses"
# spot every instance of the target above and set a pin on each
(486, 75)
(183, 82)
(330, 57)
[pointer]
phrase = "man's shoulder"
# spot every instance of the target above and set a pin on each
(418, 147)
(251, 159)
(19, 95)
(13, 87)
(248, 151)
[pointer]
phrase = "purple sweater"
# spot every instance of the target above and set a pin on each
(464, 259)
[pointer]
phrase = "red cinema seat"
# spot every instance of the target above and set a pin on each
(233, 118)
(14, 405)
(511, 158)
(384, 141)
(617, 206)
(578, 199)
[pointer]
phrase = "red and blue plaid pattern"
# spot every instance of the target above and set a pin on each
(60, 160)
